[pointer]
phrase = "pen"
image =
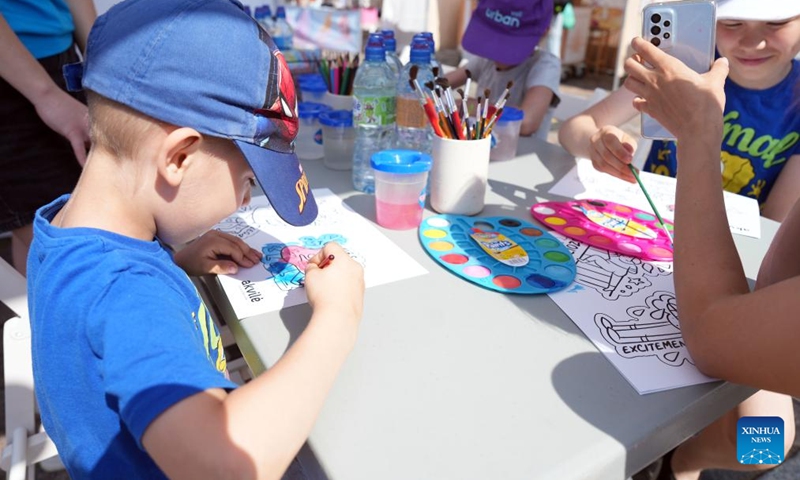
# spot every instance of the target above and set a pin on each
(325, 261)
(652, 205)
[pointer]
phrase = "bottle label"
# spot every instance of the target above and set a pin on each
(370, 110)
(410, 113)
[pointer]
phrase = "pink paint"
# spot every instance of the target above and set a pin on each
(398, 217)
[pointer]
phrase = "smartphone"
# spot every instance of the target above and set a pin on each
(686, 30)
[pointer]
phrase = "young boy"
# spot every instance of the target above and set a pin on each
(189, 102)
(504, 34)
(760, 149)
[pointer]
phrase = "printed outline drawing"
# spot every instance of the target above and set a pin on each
(612, 275)
(650, 330)
(286, 263)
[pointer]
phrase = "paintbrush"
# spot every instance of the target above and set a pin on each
(652, 205)
(501, 101)
(425, 101)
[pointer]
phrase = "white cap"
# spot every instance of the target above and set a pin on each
(757, 10)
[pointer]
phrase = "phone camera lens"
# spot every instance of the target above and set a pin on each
(655, 18)
(666, 23)
(655, 30)
(655, 41)
(666, 35)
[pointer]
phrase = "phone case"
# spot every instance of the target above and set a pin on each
(686, 30)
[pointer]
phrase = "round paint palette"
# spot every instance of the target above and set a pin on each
(608, 225)
(499, 253)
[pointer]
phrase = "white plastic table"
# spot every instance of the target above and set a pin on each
(449, 380)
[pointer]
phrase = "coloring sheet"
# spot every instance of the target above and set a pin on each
(626, 306)
(583, 181)
(277, 281)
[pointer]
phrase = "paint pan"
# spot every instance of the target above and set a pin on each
(499, 253)
(608, 225)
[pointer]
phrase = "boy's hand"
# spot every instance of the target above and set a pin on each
(338, 288)
(216, 252)
(685, 102)
(612, 152)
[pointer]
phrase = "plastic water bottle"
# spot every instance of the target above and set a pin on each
(263, 15)
(283, 34)
(374, 89)
(413, 128)
(392, 59)
(434, 63)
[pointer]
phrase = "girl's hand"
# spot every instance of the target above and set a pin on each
(337, 290)
(612, 152)
(216, 252)
(685, 102)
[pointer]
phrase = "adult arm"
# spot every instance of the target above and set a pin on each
(785, 192)
(457, 77)
(256, 430)
(732, 333)
(594, 134)
(83, 16)
(59, 111)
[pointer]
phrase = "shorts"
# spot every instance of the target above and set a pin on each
(37, 165)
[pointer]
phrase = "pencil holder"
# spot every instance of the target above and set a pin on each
(459, 175)
(338, 102)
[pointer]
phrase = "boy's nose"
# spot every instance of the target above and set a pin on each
(754, 38)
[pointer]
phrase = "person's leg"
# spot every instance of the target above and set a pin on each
(715, 446)
(20, 244)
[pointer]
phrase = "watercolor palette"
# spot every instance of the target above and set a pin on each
(608, 225)
(499, 253)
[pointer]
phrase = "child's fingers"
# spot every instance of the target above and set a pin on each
(219, 266)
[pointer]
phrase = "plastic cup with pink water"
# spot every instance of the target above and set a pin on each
(401, 178)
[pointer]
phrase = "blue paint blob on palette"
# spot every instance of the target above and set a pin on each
(527, 259)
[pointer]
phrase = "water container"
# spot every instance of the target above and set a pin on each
(391, 51)
(434, 62)
(414, 131)
(263, 16)
(374, 89)
(284, 35)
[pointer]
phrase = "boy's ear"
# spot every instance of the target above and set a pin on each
(176, 154)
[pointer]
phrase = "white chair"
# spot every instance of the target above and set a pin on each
(25, 445)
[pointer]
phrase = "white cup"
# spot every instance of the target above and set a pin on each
(459, 175)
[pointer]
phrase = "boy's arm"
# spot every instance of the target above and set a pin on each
(594, 134)
(256, 430)
(732, 334)
(62, 113)
(786, 191)
(457, 77)
(534, 105)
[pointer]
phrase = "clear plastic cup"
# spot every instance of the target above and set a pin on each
(313, 91)
(506, 134)
(308, 145)
(401, 177)
(339, 138)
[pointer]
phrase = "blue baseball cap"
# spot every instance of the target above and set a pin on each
(207, 65)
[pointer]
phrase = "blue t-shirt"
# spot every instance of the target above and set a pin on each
(44, 26)
(761, 133)
(119, 335)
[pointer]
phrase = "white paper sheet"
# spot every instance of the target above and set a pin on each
(583, 181)
(626, 307)
(275, 282)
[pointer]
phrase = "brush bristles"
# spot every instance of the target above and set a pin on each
(413, 72)
(469, 74)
